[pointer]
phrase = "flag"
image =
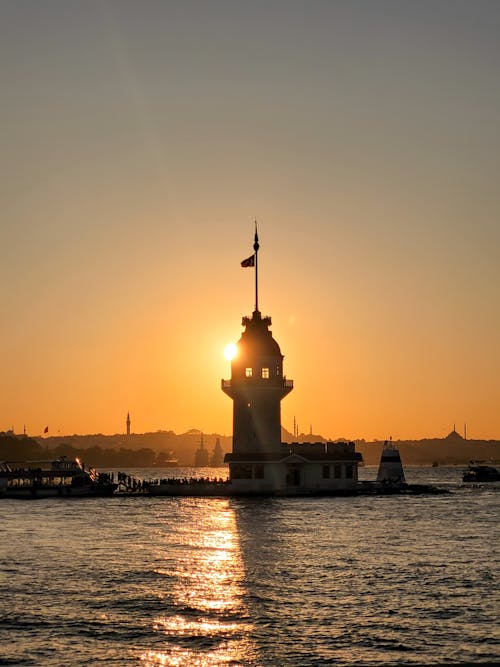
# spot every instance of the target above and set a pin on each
(249, 261)
(46, 429)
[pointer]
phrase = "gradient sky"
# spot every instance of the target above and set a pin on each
(140, 140)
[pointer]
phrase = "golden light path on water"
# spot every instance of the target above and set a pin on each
(211, 627)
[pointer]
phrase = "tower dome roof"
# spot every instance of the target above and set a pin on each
(257, 340)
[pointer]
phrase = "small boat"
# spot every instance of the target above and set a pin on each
(481, 473)
(58, 477)
(169, 462)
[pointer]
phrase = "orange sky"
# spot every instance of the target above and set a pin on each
(142, 140)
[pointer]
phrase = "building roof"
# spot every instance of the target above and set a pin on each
(305, 452)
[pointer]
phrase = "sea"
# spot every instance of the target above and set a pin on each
(205, 582)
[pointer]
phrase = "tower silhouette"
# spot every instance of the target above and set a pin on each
(128, 423)
(257, 386)
(259, 462)
(217, 458)
(257, 383)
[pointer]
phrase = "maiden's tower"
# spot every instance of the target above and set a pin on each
(259, 462)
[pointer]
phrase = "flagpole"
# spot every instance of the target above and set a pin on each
(256, 283)
(256, 248)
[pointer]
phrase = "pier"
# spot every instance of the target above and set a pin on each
(217, 487)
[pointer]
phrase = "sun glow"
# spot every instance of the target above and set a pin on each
(230, 351)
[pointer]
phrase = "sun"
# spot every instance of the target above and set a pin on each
(230, 351)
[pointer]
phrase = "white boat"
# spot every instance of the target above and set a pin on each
(58, 477)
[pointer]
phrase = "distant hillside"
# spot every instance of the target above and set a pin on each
(20, 448)
(145, 449)
(452, 450)
(136, 449)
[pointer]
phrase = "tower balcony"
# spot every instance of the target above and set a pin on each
(259, 382)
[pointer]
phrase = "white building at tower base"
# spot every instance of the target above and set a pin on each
(300, 469)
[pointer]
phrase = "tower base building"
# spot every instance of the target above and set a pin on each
(299, 469)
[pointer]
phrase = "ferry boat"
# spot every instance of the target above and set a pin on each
(58, 477)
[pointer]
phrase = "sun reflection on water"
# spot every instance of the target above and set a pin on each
(204, 585)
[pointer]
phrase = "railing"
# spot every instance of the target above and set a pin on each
(271, 382)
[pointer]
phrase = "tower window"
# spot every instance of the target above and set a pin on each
(265, 373)
(248, 372)
(241, 471)
(326, 472)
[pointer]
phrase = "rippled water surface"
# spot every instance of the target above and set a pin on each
(207, 581)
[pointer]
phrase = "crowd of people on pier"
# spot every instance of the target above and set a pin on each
(189, 480)
(131, 484)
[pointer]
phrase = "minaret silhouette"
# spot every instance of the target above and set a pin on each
(201, 455)
(128, 423)
(257, 385)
